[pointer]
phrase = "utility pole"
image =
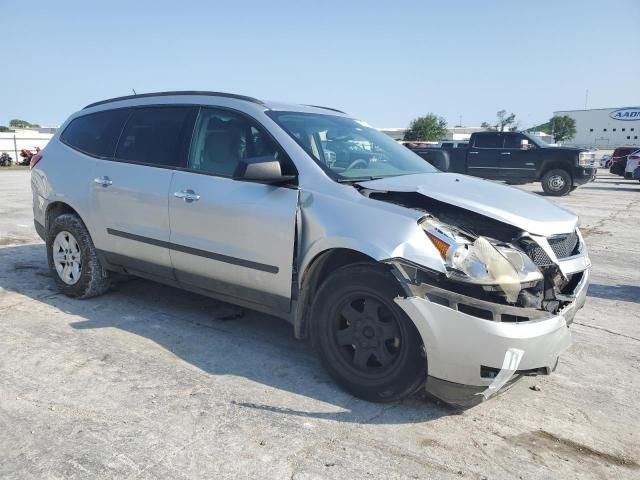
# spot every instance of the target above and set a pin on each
(586, 98)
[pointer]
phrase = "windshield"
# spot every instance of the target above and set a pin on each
(349, 149)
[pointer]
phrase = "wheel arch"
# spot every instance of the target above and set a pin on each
(559, 164)
(55, 209)
(316, 272)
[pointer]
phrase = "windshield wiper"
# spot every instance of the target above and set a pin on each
(359, 179)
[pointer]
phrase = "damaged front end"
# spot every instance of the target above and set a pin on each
(500, 306)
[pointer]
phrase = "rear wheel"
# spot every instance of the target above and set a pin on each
(556, 182)
(73, 259)
(365, 340)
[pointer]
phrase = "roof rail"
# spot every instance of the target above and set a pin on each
(183, 92)
(324, 108)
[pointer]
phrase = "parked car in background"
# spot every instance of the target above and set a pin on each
(404, 277)
(5, 160)
(633, 161)
(517, 158)
(413, 144)
(605, 161)
(619, 159)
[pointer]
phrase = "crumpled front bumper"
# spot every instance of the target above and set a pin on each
(465, 353)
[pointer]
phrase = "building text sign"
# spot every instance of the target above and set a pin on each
(626, 114)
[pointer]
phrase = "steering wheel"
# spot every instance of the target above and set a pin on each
(359, 163)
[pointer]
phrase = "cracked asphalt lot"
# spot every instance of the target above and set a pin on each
(153, 382)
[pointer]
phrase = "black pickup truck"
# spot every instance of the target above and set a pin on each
(517, 158)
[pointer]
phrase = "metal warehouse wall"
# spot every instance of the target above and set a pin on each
(605, 127)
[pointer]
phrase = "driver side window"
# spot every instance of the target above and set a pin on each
(223, 139)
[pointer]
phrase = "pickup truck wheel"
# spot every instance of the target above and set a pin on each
(556, 182)
(365, 340)
(73, 259)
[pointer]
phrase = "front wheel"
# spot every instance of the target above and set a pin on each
(365, 340)
(556, 182)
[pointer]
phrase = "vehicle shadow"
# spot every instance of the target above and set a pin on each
(626, 293)
(217, 338)
(617, 189)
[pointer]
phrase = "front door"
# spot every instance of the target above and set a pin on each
(483, 157)
(231, 237)
(516, 162)
(130, 191)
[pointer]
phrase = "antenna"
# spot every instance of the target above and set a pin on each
(134, 91)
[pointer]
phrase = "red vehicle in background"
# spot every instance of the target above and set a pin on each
(26, 155)
(619, 159)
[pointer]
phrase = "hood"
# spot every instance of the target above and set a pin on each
(527, 211)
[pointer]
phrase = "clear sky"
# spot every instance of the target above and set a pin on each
(383, 61)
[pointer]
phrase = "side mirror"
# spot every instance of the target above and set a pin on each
(524, 145)
(262, 170)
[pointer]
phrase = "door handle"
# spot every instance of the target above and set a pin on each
(506, 153)
(473, 153)
(103, 181)
(187, 195)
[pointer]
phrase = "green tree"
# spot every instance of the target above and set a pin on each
(562, 128)
(4, 128)
(17, 123)
(505, 122)
(429, 128)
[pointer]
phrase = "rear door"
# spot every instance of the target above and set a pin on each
(231, 237)
(131, 190)
(483, 157)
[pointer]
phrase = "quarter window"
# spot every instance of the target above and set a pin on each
(96, 133)
(223, 139)
(154, 136)
(488, 141)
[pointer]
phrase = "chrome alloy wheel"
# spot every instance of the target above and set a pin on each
(67, 258)
(556, 182)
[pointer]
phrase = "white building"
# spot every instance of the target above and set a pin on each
(29, 138)
(605, 127)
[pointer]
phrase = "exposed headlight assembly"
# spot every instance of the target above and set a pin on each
(480, 261)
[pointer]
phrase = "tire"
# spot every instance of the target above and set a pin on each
(556, 182)
(379, 355)
(85, 276)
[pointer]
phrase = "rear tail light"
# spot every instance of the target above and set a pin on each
(633, 157)
(35, 159)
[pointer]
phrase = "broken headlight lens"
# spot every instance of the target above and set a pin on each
(481, 262)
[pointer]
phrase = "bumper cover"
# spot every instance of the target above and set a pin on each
(459, 345)
(582, 175)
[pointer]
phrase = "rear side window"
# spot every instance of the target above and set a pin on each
(155, 136)
(96, 133)
(488, 141)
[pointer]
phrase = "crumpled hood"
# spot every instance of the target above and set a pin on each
(527, 211)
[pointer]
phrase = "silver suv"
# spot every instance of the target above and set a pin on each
(404, 277)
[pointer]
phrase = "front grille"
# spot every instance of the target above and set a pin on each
(538, 255)
(562, 245)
